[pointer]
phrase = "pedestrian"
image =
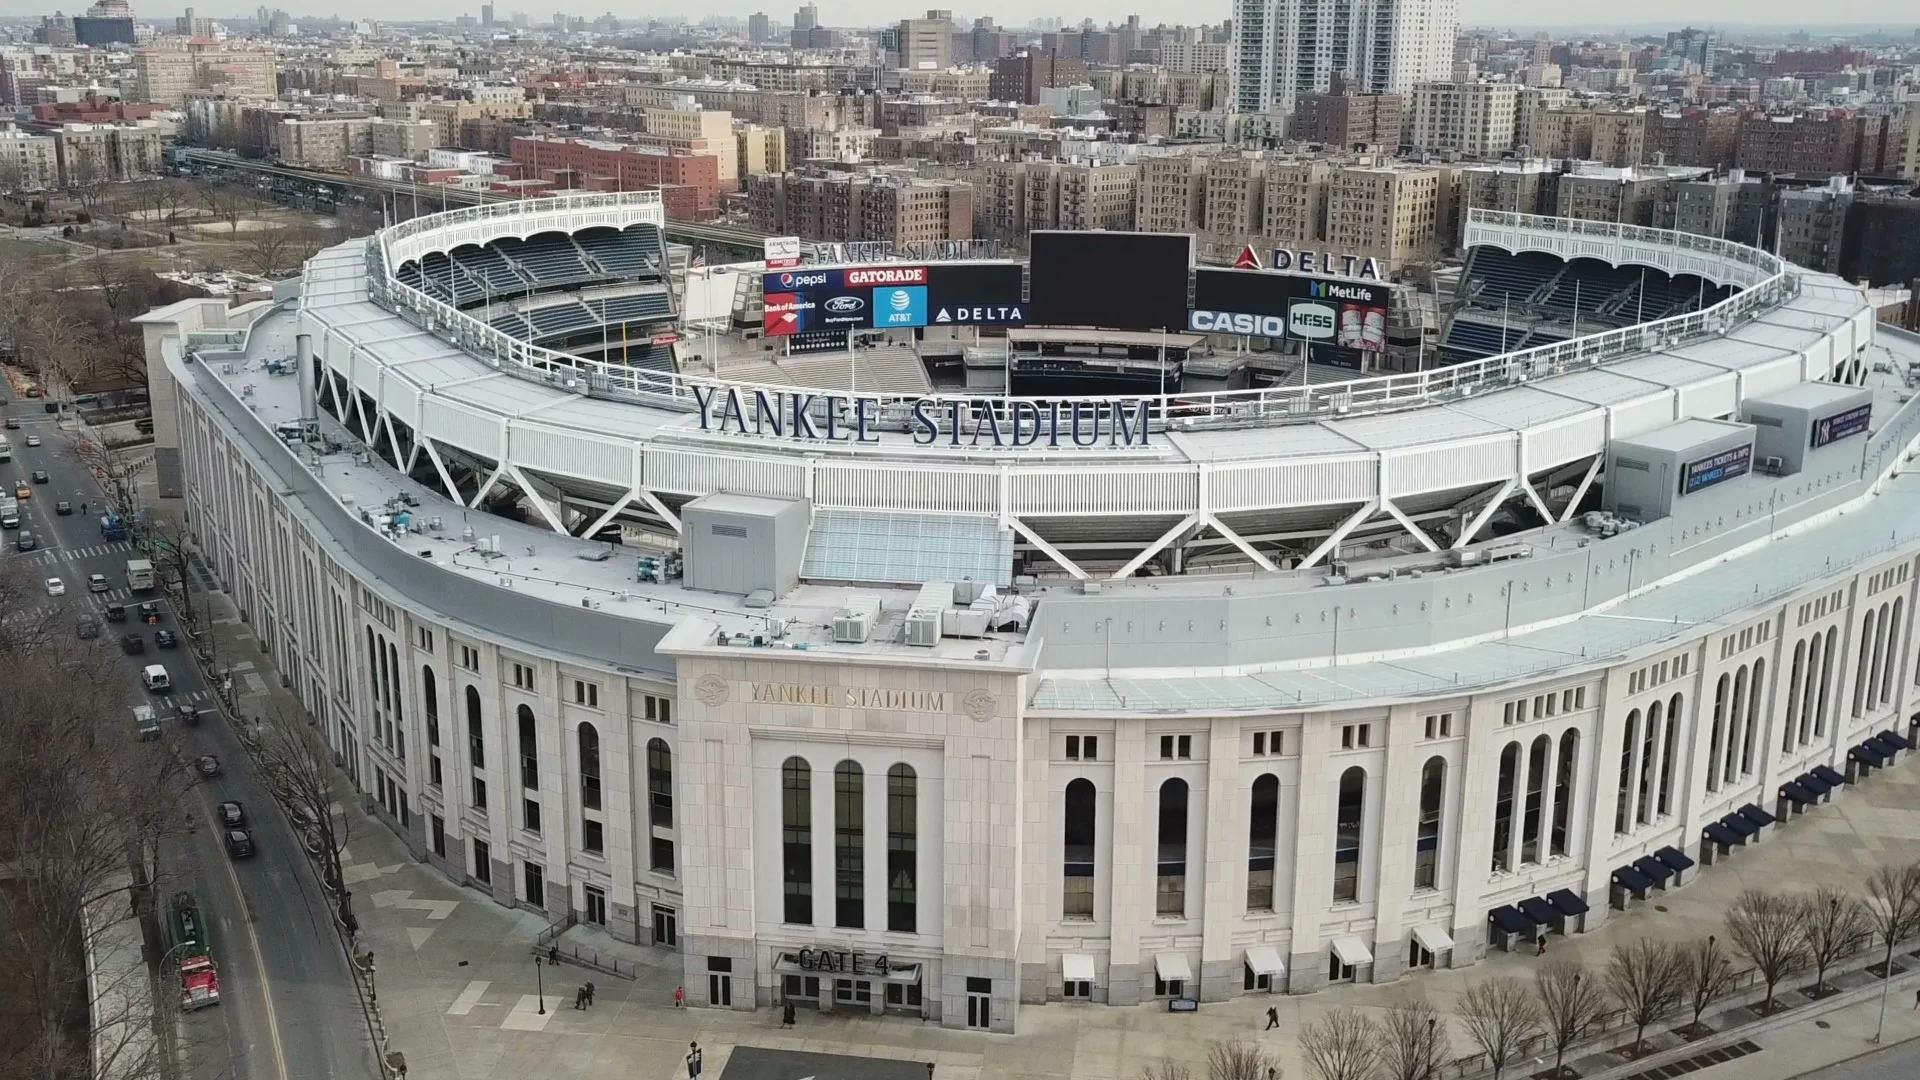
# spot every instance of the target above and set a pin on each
(679, 996)
(786, 1015)
(580, 997)
(1542, 950)
(1916, 999)
(589, 995)
(1273, 1017)
(553, 956)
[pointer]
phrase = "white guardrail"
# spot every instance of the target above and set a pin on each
(1769, 281)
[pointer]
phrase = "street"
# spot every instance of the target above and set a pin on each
(288, 1009)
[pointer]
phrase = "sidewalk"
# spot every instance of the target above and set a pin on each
(458, 986)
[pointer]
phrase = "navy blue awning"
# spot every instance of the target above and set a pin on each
(1830, 774)
(1539, 910)
(1894, 739)
(1653, 868)
(1632, 880)
(1757, 814)
(1794, 792)
(1674, 858)
(1720, 834)
(1508, 918)
(1817, 785)
(1567, 902)
(1869, 753)
(1740, 825)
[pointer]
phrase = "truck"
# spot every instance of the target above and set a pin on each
(187, 936)
(147, 722)
(139, 574)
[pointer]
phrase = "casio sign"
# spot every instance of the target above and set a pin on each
(1306, 319)
(1234, 322)
(844, 305)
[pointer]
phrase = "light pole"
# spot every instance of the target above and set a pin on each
(1429, 1070)
(540, 985)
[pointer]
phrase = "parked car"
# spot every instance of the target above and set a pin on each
(56, 587)
(24, 540)
(99, 583)
(239, 843)
(232, 814)
(33, 440)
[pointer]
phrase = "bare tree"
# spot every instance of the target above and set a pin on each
(1410, 1041)
(1166, 1070)
(297, 770)
(1238, 1060)
(1646, 978)
(1340, 1045)
(1771, 932)
(1572, 1003)
(1709, 976)
(1501, 1016)
(1836, 924)
(1895, 912)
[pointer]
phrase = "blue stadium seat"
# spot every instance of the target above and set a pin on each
(1497, 277)
(1588, 284)
(1480, 339)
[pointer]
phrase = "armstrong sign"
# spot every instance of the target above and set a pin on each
(991, 422)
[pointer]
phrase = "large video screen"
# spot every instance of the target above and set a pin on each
(1118, 280)
(1338, 321)
(975, 294)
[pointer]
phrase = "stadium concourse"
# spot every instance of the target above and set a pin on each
(1171, 680)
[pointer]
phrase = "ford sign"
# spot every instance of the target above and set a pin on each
(1233, 322)
(845, 305)
(1314, 322)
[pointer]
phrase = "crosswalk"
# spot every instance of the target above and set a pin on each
(47, 556)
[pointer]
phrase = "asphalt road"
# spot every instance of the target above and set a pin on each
(1898, 1062)
(288, 1010)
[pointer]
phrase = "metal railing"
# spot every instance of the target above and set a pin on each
(548, 948)
(1231, 408)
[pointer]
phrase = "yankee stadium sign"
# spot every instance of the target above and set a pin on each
(988, 422)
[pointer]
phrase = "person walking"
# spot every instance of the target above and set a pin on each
(1273, 1017)
(786, 1014)
(589, 995)
(1542, 950)
(553, 956)
(580, 997)
(679, 996)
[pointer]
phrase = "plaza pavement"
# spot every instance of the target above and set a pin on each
(457, 984)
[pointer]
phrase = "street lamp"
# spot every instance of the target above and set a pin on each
(540, 985)
(1429, 1069)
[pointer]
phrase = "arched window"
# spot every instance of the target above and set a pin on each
(476, 733)
(796, 841)
(903, 832)
(1736, 720)
(1563, 792)
(1894, 625)
(374, 658)
(659, 784)
(1861, 670)
(589, 767)
(1530, 819)
(430, 690)
(1171, 890)
(1810, 700)
(1076, 900)
(1756, 689)
(1426, 844)
(1670, 750)
(1826, 683)
(849, 846)
(529, 747)
(1623, 805)
(1262, 834)
(1719, 725)
(1795, 676)
(399, 700)
(1649, 743)
(1503, 794)
(1346, 834)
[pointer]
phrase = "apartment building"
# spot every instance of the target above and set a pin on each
(447, 116)
(848, 207)
(106, 153)
(1294, 208)
(1638, 195)
(1561, 133)
(926, 44)
(28, 162)
(1081, 195)
(1235, 195)
(165, 75)
(761, 150)
(690, 129)
(1822, 142)
(1694, 136)
(1350, 120)
(1620, 137)
(605, 165)
(409, 139)
(1172, 193)
(1473, 120)
(1812, 224)
(324, 142)
(1194, 57)
(1385, 212)
(1022, 76)
(1000, 201)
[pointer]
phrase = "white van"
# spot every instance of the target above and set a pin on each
(154, 678)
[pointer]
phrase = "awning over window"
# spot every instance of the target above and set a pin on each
(1509, 919)
(1653, 868)
(1793, 792)
(1076, 967)
(1567, 902)
(1869, 753)
(1754, 813)
(1830, 774)
(1674, 858)
(1817, 785)
(1352, 951)
(1719, 833)
(1741, 824)
(1434, 938)
(1265, 960)
(1539, 910)
(1172, 967)
(1893, 739)
(1632, 880)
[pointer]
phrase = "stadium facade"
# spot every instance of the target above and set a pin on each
(911, 729)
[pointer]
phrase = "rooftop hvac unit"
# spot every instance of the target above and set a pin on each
(855, 622)
(924, 617)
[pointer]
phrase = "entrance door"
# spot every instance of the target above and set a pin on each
(666, 930)
(536, 886)
(595, 902)
(720, 990)
(801, 990)
(979, 1003)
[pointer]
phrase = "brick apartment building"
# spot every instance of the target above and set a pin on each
(847, 207)
(1827, 142)
(689, 183)
(1349, 120)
